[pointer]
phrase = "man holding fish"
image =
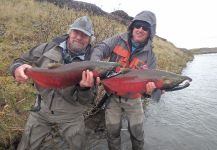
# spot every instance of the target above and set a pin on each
(132, 49)
(61, 107)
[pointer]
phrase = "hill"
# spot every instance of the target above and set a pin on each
(118, 15)
(77, 5)
(27, 23)
(203, 50)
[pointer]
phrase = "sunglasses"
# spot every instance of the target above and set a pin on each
(138, 26)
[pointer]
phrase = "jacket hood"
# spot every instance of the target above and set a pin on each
(149, 17)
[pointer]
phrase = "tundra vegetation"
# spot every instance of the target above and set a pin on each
(27, 23)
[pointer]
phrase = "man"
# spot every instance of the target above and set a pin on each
(59, 107)
(133, 49)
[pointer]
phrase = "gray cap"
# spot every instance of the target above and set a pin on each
(84, 25)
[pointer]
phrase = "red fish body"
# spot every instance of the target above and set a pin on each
(132, 83)
(53, 78)
(68, 74)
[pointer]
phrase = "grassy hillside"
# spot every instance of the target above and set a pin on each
(169, 57)
(26, 23)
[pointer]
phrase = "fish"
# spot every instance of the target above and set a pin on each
(133, 81)
(61, 76)
(128, 83)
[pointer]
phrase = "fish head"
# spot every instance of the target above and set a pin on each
(175, 82)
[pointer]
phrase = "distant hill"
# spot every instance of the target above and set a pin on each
(77, 5)
(203, 50)
(122, 16)
(118, 15)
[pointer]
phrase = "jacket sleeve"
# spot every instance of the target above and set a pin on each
(28, 58)
(104, 49)
(152, 60)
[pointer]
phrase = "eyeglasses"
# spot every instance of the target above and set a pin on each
(138, 26)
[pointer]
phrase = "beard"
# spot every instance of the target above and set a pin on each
(76, 47)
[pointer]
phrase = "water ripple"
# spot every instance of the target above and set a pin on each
(186, 119)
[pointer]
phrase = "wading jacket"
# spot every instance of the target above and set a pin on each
(118, 47)
(61, 100)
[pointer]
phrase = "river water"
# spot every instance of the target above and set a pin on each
(186, 119)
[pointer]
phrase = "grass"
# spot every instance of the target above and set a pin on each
(17, 100)
(25, 24)
(169, 57)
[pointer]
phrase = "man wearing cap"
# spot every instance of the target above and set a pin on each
(132, 49)
(58, 107)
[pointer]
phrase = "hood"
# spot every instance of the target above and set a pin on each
(149, 17)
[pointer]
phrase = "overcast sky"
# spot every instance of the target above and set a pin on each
(185, 23)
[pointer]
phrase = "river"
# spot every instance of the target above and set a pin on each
(186, 119)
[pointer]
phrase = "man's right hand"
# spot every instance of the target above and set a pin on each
(20, 75)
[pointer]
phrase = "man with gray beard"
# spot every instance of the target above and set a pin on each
(62, 108)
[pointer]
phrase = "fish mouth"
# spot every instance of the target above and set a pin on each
(182, 85)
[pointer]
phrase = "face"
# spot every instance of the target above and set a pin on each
(77, 41)
(140, 34)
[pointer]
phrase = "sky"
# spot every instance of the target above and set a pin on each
(186, 23)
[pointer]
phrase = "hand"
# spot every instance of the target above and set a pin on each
(150, 86)
(20, 75)
(87, 79)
